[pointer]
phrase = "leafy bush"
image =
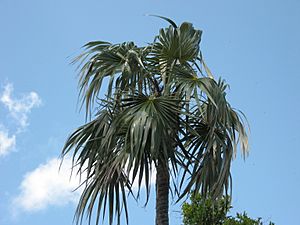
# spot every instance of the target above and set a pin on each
(243, 219)
(205, 211)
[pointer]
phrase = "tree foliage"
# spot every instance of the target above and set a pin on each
(206, 211)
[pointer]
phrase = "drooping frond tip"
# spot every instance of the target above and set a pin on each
(164, 18)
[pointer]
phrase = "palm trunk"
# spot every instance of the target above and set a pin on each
(162, 193)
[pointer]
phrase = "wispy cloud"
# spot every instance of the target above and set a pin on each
(18, 109)
(7, 142)
(48, 186)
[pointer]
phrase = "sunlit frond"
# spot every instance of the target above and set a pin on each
(216, 130)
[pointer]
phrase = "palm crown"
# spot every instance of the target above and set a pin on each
(162, 110)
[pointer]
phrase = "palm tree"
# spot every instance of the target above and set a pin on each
(162, 111)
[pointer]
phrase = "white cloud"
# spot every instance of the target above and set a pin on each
(21, 107)
(18, 109)
(6, 143)
(47, 185)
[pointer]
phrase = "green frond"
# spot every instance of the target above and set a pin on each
(215, 131)
(124, 63)
(99, 157)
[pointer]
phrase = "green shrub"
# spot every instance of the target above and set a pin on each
(205, 211)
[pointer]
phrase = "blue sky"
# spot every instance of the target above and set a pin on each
(254, 45)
